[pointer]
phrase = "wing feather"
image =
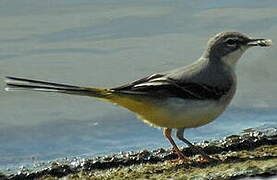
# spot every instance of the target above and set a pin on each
(161, 86)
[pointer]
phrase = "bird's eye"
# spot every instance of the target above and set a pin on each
(231, 42)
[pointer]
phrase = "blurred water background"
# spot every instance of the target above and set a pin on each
(107, 43)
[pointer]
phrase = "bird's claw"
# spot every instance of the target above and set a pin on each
(202, 159)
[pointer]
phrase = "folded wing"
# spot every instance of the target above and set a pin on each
(161, 86)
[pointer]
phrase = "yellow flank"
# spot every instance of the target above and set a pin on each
(143, 107)
(171, 113)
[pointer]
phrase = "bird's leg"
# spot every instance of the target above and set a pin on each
(180, 135)
(167, 134)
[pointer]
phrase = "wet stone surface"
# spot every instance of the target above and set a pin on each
(252, 145)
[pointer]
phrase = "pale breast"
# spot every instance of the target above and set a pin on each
(179, 113)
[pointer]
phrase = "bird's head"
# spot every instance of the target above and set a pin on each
(229, 46)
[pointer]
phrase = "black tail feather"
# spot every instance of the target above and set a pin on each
(24, 80)
(15, 83)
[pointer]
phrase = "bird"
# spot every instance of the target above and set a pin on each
(186, 97)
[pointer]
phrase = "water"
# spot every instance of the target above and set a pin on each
(108, 43)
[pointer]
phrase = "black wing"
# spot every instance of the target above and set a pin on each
(130, 86)
(162, 87)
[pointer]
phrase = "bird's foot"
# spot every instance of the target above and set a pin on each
(181, 157)
(206, 159)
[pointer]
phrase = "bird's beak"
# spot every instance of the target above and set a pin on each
(259, 42)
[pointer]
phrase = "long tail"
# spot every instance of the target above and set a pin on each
(15, 83)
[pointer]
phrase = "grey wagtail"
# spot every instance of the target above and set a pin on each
(182, 98)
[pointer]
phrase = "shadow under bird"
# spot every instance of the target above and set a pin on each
(187, 97)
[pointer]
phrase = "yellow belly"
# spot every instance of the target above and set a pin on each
(173, 112)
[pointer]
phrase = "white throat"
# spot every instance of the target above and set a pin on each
(231, 59)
